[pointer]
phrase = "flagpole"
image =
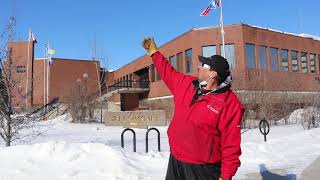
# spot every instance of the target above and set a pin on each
(28, 59)
(222, 30)
(49, 56)
(44, 75)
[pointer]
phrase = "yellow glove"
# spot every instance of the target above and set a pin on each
(149, 44)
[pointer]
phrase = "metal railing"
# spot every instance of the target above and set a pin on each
(128, 84)
(43, 110)
(119, 85)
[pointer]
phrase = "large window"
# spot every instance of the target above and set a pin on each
(284, 60)
(230, 54)
(157, 75)
(119, 82)
(274, 59)
(313, 63)
(188, 55)
(173, 61)
(130, 77)
(251, 56)
(123, 81)
(127, 80)
(152, 73)
(304, 65)
(294, 61)
(208, 51)
(180, 62)
(263, 57)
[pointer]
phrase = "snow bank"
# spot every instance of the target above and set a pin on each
(71, 151)
(57, 160)
(295, 116)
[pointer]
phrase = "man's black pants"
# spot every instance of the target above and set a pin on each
(178, 170)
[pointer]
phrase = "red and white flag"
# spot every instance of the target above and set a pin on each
(32, 37)
(213, 5)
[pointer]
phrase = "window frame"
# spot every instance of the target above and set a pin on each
(314, 63)
(254, 56)
(273, 65)
(297, 60)
(175, 61)
(232, 63)
(188, 59)
(260, 47)
(284, 68)
(207, 46)
(21, 69)
(306, 63)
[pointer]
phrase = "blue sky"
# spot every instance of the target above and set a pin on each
(119, 26)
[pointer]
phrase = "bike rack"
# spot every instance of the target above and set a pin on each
(147, 138)
(264, 128)
(134, 138)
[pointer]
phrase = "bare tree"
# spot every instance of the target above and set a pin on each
(268, 96)
(311, 114)
(82, 105)
(12, 122)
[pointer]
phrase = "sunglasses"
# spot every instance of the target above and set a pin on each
(204, 66)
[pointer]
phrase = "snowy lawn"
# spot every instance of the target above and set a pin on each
(70, 151)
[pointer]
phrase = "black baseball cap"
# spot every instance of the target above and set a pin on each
(218, 64)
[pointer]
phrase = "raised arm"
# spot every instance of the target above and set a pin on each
(168, 74)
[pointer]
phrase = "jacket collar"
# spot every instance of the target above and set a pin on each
(223, 87)
(219, 93)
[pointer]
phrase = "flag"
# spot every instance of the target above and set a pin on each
(50, 61)
(50, 53)
(32, 37)
(213, 5)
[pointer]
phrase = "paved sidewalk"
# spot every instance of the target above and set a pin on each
(312, 172)
(274, 174)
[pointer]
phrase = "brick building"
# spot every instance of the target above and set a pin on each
(261, 60)
(46, 82)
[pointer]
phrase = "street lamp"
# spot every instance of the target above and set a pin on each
(86, 77)
(78, 82)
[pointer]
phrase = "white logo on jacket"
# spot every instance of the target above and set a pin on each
(212, 109)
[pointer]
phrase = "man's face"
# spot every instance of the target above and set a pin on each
(204, 73)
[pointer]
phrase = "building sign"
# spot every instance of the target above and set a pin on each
(136, 119)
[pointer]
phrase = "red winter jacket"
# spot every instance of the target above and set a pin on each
(208, 131)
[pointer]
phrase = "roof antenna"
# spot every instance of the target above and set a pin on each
(94, 47)
(13, 8)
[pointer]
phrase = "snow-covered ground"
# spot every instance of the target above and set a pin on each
(70, 151)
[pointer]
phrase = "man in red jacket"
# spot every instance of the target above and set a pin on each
(204, 134)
